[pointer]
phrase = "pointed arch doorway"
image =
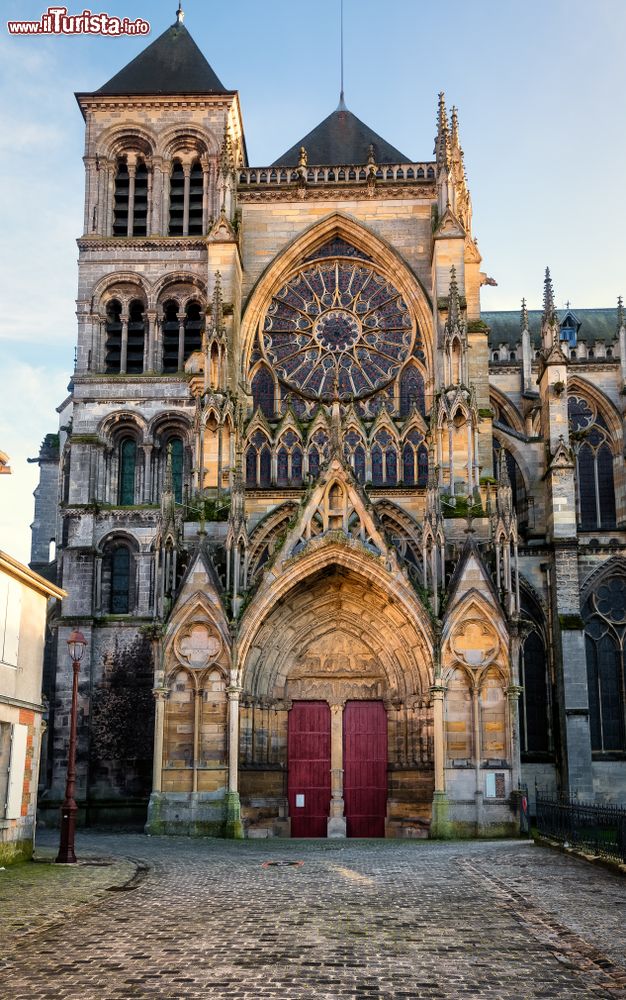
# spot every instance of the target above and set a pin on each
(337, 769)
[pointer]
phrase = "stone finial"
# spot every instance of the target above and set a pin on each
(454, 137)
(621, 324)
(180, 14)
(524, 316)
(454, 303)
(217, 307)
(303, 158)
(371, 155)
(227, 159)
(549, 313)
(442, 142)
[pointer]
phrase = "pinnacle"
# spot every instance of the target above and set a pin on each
(620, 313)
(548, 298)
(524, 316)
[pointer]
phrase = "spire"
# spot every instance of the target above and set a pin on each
(620, 314)
(227, 160)
(442, 142)
(342, 103)
(549, 315)
(454, 303)
(180, 14)
(523, 317)
(217, 308)
(454, 138)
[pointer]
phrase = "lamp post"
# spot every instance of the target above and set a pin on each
(76, 645)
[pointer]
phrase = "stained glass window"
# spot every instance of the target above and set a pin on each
(120, 580)
(337, 329)
(605, 629)
(594, 465)
(128, 461)
(411, 391)
(177, 468)
(534, 702)
(263, 392)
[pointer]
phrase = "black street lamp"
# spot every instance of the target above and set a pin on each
(76, 645)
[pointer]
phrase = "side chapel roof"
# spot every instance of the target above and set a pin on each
(341, 139)
(595, 324)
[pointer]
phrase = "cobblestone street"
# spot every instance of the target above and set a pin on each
(366, 919)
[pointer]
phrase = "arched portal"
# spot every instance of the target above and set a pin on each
(336, 639)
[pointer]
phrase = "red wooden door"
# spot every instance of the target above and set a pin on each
(365, 768)
(309, 768)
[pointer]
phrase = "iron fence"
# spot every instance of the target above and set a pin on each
(598, 827)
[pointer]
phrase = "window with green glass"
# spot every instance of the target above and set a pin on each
(128, 462)
(177, 468)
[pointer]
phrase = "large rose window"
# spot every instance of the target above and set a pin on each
(337, 330)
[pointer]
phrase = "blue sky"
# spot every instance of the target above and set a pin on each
(540, 88)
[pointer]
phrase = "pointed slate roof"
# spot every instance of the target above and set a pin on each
(172, 64)
(344, 139)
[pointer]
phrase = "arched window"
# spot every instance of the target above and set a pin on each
(128, 462)
(422, 465)
(136, 338)
(120, 199)
(120, 580)
(170, 336)
(359, 463)
(177, 199)
(408, 465)
(594, 465)
(314, 462)
(296, 466)
(193, 329)
(391, 457)
(258, 461)
(411, 391)
(604, 614)
(263, 392)
(354, 452)
(176, 445)
(195, 198)
(140, 202)
(377, 465)
(282, 467)
(113, 351)
(534, 702)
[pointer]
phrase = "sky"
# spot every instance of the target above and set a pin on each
(540, 88)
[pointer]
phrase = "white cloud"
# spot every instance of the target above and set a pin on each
(27, 414)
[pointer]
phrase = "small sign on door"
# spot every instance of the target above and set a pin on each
(299, 801)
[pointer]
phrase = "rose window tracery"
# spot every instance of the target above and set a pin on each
(337, 330)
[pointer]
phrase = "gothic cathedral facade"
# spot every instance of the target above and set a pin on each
(348, 554)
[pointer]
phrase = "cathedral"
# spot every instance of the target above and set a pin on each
(349, 554)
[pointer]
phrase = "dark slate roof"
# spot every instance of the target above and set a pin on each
(595, 324)
(172, 64)
(341, 139)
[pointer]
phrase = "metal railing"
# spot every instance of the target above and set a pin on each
(597, 827)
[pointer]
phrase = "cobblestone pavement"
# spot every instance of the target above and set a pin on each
(358, 919)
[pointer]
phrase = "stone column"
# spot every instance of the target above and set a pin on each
(196, 736)
(160, 695)
(131, 199)
(124, 344)
(513, 693)
(478, 790)
(232, 813)
(186, 172)
(181, 341)
(337, 819)
(151, 323)
(440, 824)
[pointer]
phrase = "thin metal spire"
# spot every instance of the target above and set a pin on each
(342, 102)
(180, 13)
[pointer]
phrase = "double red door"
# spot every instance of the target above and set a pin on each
(365, 768)
(364, 762)
(308, 747)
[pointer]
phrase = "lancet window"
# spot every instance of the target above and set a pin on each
(411, 391)
(130, 197)
(591, 441)
(127, 471)
(263, 391)
(186, 199)
(289, 460)
(113, 327)
(384, 460)
(181, 332)
(414, 460)
(354, 451)
(535, 702)
(318, 452)
(116, 583)
(136, 338)
(258, 461)
(604, 615)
